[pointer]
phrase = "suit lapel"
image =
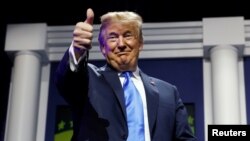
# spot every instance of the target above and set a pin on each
(112, 78)
(152, 96)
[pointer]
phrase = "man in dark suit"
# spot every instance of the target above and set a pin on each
(96, 95)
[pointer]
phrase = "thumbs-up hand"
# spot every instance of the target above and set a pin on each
(83, 34)
(90, 16)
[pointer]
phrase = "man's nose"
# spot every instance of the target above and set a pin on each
(121, 42)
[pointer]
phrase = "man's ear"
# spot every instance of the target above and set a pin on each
(103, 50)
(141, 47)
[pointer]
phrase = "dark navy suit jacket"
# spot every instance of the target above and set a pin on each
(96, 98)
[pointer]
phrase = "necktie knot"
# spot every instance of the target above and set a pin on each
(127, 75)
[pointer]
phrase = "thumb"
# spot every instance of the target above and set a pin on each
(90, 16)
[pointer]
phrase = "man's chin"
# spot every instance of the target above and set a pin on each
(123, 59)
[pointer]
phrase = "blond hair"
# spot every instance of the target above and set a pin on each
(122, 17)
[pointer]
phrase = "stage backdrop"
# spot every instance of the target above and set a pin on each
(186, 74)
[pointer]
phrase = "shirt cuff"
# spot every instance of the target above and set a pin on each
(73, 63)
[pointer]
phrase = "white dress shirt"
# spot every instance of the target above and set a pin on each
(136, 80)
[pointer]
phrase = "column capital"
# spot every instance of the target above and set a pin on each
(27, 37)
(226, 31)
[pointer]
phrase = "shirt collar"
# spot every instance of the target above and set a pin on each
(135, 73)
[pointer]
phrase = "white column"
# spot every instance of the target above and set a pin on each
(24, 99)
(26, 45)
(225, 84)
(223, 41)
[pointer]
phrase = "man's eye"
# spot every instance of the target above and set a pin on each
(128, 36)
(112, 38)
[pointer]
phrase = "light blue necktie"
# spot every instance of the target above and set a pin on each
(134, 109)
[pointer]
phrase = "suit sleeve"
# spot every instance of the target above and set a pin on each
(183, 130)
(72, 85)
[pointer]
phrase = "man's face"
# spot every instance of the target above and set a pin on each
(121, 46)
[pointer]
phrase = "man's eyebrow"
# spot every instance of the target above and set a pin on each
(112, 33)
(129, 31)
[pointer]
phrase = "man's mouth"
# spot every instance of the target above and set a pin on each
(122, 53)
